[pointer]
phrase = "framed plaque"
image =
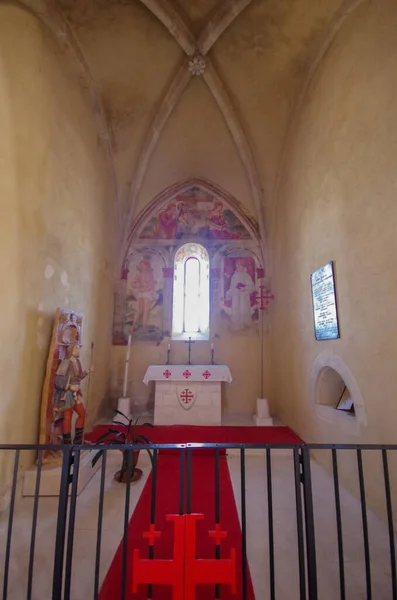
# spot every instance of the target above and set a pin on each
(326, 326)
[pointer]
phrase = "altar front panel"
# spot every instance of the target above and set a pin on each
(187, 403)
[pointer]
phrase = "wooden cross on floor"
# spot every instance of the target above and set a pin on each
(190, 348)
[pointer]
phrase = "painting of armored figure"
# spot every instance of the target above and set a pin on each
(239, 303)
(144, 297)
(63, 394)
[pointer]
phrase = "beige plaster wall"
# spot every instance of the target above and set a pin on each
(133, 59)
(337, 202)
(57, 227)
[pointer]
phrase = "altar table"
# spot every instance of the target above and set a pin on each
(187, 394)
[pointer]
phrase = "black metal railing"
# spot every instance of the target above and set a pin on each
(308, 523)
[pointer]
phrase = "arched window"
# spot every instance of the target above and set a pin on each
(191, 302)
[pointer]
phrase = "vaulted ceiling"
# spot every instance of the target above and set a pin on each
(213, 84)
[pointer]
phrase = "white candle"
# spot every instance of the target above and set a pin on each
(169, 346)
(128, 348)
(127, 361)
(212, 346)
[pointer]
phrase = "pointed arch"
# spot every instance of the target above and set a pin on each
(204, 186)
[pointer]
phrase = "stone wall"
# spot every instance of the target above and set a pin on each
(57, 238)
(337, 202)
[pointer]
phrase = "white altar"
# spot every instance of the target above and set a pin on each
(187, 394)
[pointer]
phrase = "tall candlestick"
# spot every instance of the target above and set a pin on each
(127, 362)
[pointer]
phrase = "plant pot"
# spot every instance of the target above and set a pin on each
(136, 456)
(137, 474)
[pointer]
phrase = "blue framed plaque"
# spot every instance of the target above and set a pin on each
(326, 326)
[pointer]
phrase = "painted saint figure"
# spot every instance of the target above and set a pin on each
(241, 288)
(145, 286)
(166, 223)
(68, 396)
(218, 226)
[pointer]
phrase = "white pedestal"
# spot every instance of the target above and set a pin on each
(51, 476)
(263, 422)
(204, 410)
(123, 405)
(262, 417)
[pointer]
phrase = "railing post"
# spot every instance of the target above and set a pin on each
(243, 524)
(72, 516)
(309, 524)
(390, 524)
(61, 524)
(365, 524)
(270, 521)
(299, 518)
(10, 524)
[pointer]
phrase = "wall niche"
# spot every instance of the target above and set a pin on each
(333, 391)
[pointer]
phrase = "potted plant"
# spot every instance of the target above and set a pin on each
(126, 434)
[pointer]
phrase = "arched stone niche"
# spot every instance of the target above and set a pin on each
(329, 375)
(330, 387)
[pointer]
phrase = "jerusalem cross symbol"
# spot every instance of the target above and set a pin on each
(186, 398)
(184, 572)
(265, 297)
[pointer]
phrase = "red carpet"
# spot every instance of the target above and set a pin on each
(203, 501)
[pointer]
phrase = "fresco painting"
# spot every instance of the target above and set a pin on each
(195, 213)
(143, 317)
(239, 303)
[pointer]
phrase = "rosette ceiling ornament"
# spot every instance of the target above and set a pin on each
(197, 63)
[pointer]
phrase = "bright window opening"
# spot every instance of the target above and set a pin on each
(191, 293)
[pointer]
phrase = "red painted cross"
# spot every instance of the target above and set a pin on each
(167, 373)
(186, 396)
(218, 534)
(265, 297)
(151, 534)
(206, 374)
(186, 374)
(184, 572)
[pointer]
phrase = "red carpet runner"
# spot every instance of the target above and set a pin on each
(203, 495)
(202, 501)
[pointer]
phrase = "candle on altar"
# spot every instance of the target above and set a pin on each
(212, 346)
(169, 347)
(127, 361)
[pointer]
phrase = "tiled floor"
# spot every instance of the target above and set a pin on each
(287, 580)
(285, 534)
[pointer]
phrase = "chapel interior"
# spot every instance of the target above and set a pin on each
(175, 169)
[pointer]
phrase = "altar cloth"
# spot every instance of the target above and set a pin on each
(187, 373)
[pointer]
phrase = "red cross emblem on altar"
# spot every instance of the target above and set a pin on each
(186, 398)
(167, 374)
(186, 374)
(184, 572)
(206, 374)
